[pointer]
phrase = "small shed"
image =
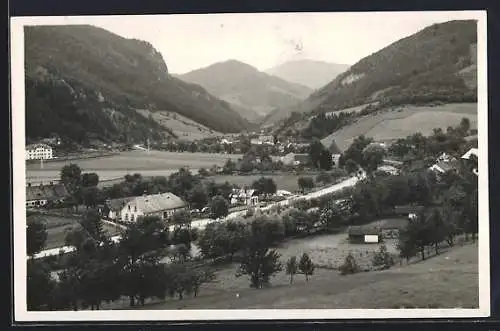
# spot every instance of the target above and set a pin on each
(364, 235)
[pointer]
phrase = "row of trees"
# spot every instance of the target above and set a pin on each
(100, 270)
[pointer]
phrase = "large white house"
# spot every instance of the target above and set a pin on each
(38, 152)
(163, 205)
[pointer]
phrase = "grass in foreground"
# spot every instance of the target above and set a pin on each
(449, 280)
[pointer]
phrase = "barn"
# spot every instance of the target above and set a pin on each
(364, 235)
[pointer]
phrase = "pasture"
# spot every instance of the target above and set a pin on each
(183, 127)
(389, 125)
(449, 280)
(154, 163)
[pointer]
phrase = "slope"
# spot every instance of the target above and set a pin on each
(249, 90)
(83, 81)
(437, 63)
(311, 73)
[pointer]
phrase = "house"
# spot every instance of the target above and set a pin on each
(394, 163)
(409, 211)
(112, 208)
(262, 140)
(468, 156)
(295, 159)
(40, 195)
(163, 205)
(335, 160)
(39, 152)
(248, 197)
(442, 167)
(364, 235)
(389, 169)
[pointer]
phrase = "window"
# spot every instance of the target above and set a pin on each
(135, 209)
(128, 207)
(131, 217)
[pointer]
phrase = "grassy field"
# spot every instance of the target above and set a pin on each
(449, 280)
(182, 126)
(58, 227)
(391, 125)
(286, 182)
(154, 163)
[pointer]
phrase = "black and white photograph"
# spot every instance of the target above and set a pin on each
(263, 166)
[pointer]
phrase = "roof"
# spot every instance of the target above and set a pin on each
(118, 204)
(363, 230)
(301, 157)
(46, 192)
(446, 166)
(408, 209)
(472, 151)
(157, 202)
(35, 146)
(242, 193)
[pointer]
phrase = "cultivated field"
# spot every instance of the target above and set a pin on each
(394, 124)
(449, 280)
(183, 127)
(154, 163)
(58, 227)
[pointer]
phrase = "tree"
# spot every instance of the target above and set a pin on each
(181, 218)
(229, 167)
(372, 157)
(324, 178)
(464, 126)
(382, 258)
(91, 196)
(219, 207)
(316, 151)
(39, 285)
(306, 266)
(89, 179)
(140, 250)
(203, 172)
(355, 151)
(305, 183)
(197, 197)
(265, 185)
(36, 235)
(349, 266)
(325, 160)
(351, 166)
(70, 177)
(259, 261)
(291, 267)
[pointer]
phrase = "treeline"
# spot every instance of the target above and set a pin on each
(322, 125)
(143, 265)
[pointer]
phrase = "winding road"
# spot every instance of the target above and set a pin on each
(202, 223)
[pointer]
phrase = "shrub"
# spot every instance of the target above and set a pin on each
(383, 258)
(350, 266)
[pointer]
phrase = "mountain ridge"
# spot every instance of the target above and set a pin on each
(312, 73)
(437, 63)
(246, 88)
(99, 78)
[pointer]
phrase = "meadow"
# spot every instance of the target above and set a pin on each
(449, 280)
(183, 127)
(154, 163)
(389, 125)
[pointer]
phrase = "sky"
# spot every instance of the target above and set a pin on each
(188, 42)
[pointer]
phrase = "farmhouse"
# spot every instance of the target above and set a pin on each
(364, 235)
(163, 205)
(112, 208)
(244, 196)
(442, 167)
(37, 196)
(38, 152)
(389, 169)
